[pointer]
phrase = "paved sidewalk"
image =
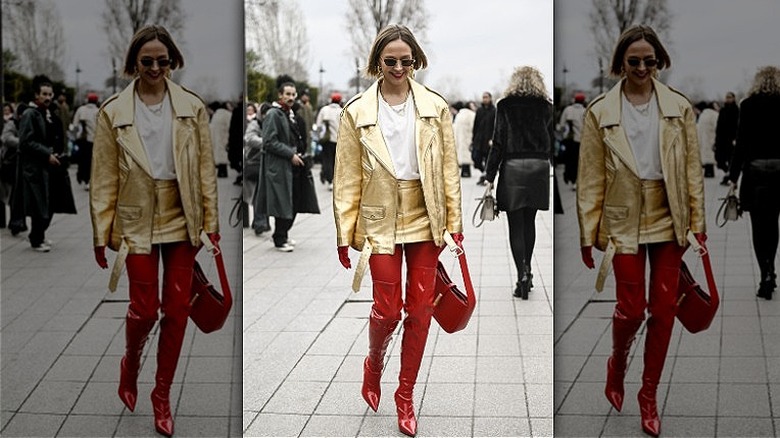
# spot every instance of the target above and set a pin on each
(305, 339)
(721, 382)
(63, 336)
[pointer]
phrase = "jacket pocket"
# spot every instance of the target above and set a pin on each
(615, 212)
(129, 212)
(372, 213)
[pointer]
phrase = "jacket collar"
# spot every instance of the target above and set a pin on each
(613, 103)
(367, 113)
(126, 103)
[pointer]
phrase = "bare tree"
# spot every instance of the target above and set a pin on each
(609, 18)
(368, 17)
(122, 18)
(278, 32)
(33, 31)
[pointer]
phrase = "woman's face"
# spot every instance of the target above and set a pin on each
(8, 112)
(399, 52)
(150, 56)
(639, 53)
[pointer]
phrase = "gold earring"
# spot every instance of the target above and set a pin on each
(411, 74)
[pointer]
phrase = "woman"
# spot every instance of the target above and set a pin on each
(639, 193)
(154, 192)
(522, 152)
(757, 157)
(396, 191)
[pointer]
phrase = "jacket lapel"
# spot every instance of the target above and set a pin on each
(127, 134)
(425, 132)
(372, 138)
(669, 128)
(182, 128)
(616, 138)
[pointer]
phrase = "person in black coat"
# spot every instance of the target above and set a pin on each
(757, 158)
(726, 134)
(522, 152)
(483, 132)
(236, 139)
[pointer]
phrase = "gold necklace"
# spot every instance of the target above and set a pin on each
(402, 110)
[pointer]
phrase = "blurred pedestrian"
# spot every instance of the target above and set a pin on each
(639, 192)
(219, 127)
(483, 129)
(463, 127)
(236, 139)
(154, 192)
(726, 134)
(43, 177)
(305, 113)
(253, 164)
(705, 128)
(571, 123)
(328, 122)
(522, 154)
(390, 203)
(757, 159)
(17, 221)
(85, 119)
(285, 187)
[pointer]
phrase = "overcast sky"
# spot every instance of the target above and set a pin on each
(715, 45)
(212, 43)
(472, 44)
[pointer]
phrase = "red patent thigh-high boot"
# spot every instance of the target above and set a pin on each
(664, 276)
(628, 316)
(141, 314)
(178, 259)
(385, 315)
(421, 261)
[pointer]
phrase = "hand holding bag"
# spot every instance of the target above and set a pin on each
(452, 308)
(695, 307)
(729, 210)
(487, 209)
(210, 308)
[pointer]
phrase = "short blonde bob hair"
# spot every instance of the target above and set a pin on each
(387, 35)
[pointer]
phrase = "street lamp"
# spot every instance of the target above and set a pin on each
(322, 100)
(78, 70)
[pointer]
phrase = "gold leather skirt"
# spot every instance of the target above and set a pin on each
(169, 223)
(411, 221)
(655, 219)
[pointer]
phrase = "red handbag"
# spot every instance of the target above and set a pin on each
(695, 307)
(209, 307)
(452, 308)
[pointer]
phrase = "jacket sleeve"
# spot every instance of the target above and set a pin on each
(28, 143)
(208, 174)
(695, 178)
(451, 174)
(591, 180)
(347, 181)
(496, 152)
(104, 181)
(252, 137)
(10, 138)
(744, 131)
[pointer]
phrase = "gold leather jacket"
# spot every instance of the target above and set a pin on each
(608, 184)
(121, 194)
(364, 182)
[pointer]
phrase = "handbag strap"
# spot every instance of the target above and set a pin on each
(460, 254)
(223, 280)
(705, 260)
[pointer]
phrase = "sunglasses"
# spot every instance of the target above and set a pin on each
(162, 62)
(391, 62)
(649, 62)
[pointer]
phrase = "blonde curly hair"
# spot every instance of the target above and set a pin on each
(527, 81)
(767, 80)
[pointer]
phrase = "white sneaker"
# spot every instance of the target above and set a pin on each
(290, 242)
(285, 248)
(330, 187)
(43, 247)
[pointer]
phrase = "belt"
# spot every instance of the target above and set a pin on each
(119, 263)
(362, 264)
(606, 264)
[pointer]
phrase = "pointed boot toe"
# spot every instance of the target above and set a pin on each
(371, 390)
(614, 390)
(163, 421)
(407, 422)
(648, 409)
(128, 389)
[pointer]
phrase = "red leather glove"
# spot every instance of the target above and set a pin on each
(344, 257)
(100, 257)
(458, 238)
(214, 238)
(587, 256)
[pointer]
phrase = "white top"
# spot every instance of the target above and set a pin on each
(641, 125)
(88, 113)
(155, 127)
(576, 114)
(397, 126)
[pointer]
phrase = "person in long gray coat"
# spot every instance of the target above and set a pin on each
(284, 150)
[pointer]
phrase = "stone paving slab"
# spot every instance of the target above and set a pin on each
(305, 338)
(62, 336)
(715, 383)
